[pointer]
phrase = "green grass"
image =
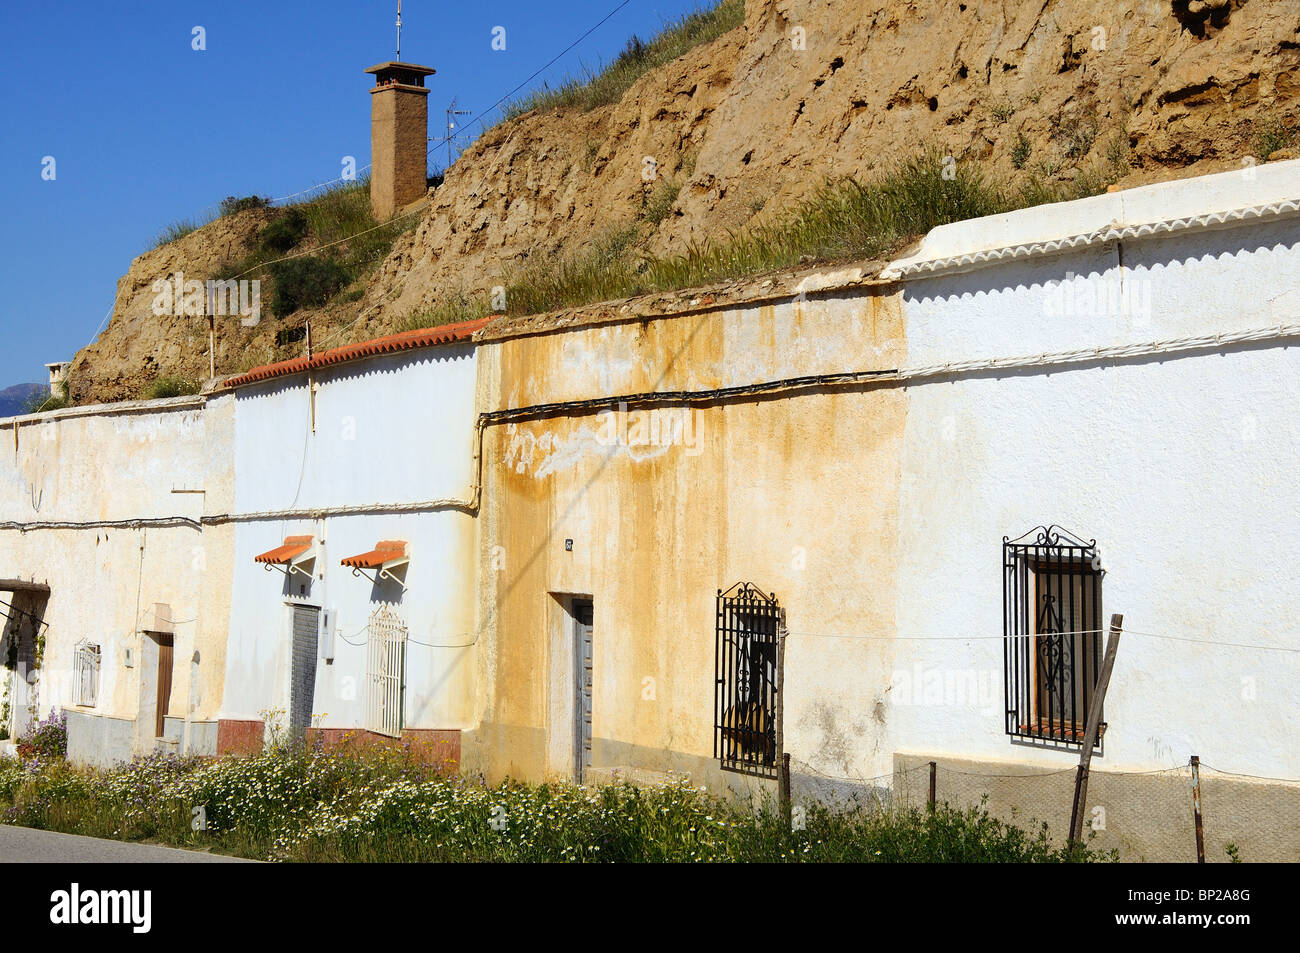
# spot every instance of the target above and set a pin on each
(607, 85)
(178, 229)
(170, 386)
(1272, 134)
(661, 200)
(292, 803)
(843, 221)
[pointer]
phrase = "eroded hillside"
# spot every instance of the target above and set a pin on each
(742, 129)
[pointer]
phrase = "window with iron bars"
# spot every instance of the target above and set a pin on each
(86, 671)
(1052, 635)
(386, 673)
(747, 663)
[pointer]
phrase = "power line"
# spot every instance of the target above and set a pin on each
(603, 20)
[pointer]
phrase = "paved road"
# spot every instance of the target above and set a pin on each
(22, 845)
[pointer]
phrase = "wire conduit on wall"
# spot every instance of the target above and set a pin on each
(903, 376)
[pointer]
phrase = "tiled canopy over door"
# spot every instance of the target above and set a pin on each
(302, 677)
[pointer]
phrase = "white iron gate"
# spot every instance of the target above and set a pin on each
(87, 673)
(385, 673)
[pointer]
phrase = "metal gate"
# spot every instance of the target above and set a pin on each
(385, 673)
(302, 677)
(583, 617)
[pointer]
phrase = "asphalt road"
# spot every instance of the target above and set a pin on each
(22, 845)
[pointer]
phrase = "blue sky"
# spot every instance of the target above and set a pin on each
(144, 130)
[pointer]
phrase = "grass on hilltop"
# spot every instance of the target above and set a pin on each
(607, 85)
(847, 220)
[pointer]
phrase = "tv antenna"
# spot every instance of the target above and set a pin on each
(452, 113)
(399, 31)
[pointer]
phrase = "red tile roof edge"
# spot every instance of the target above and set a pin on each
(405, 341)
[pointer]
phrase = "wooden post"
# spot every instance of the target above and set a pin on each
(783, 759)
(1090, 731)
(212, 347)
(933, 770)
(1196, 808)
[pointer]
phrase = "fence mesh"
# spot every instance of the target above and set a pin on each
(1145, 816)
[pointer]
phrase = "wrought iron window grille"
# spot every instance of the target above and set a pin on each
(1051, 650)
(747, 667)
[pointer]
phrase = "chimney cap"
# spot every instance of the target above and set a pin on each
(393, 66)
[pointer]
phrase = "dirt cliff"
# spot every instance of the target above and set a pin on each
(739, 130)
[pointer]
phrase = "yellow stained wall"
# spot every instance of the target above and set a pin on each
(794, 493)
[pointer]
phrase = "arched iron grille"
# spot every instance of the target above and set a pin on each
(747, 657)
(1052, 645)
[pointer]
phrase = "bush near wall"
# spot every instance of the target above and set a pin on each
(305, 283)
(298, 803)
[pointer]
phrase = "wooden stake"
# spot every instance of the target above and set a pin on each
(783, 759)
(933, 771)
(1196, 808)
(1090, 732)
(212, 347)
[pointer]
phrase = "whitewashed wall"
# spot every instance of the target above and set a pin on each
(389, 430)
(86, 467)
(1181, 467)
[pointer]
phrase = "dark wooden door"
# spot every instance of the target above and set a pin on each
(164, 682)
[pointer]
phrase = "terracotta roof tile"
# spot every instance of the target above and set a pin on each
(386, 551)
(282, 555)
(406, 341)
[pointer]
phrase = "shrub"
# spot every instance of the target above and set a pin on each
(1271, 135)
(1076, 135)
(230, 205)
(45, 739)
(1020, 151)
(284, 233)
(661, 201)
(305, 283)
(42, 401)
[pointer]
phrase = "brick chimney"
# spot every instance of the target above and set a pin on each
(399, 137)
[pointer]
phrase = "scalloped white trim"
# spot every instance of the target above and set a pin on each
(1107, 233)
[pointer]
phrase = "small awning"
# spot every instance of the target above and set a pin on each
(386, 554)
(284, 555)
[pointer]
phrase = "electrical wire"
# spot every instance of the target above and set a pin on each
(603, 20)
(1253, 777)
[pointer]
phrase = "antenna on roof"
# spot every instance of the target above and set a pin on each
(399, 31)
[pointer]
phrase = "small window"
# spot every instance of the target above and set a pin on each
(386, 673)
(86, 670)
(747, 667)
(1052, 629)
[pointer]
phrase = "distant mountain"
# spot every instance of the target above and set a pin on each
(14, 400)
